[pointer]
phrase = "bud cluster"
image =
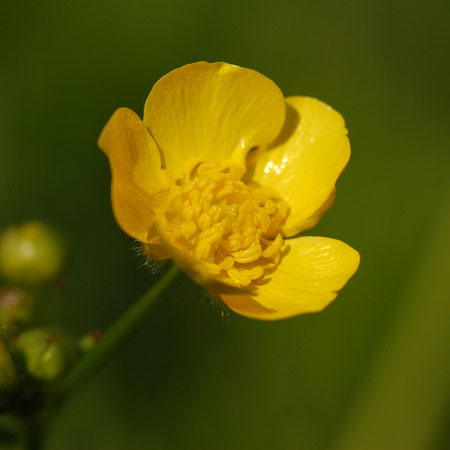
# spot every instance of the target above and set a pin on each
(35, 354)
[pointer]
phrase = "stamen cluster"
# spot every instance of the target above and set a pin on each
(231, 226)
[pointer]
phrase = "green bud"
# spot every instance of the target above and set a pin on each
(32, 254)
(8, 375)
(17, 307)
(86, 342)
(48, 354)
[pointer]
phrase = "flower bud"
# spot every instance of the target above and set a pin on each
(8, 375)
(32, 254)
(17, 307)
(86, 342)
(48, 354)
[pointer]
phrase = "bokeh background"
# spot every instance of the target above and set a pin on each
(372, 370)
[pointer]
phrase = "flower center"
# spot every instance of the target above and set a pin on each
(231, 226)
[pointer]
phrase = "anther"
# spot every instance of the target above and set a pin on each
(223, 222)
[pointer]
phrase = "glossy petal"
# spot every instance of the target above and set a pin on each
(212, 112)
(306, 280)
(305, 161)
(136, 172)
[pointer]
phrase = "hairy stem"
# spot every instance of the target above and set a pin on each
(119, 333)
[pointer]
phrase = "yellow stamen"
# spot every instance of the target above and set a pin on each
(249, 255)
(214, 216)
(273, 248)
(227, 263)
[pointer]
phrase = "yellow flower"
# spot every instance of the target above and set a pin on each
(221, 175)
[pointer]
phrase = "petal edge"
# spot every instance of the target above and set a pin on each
(306, 280)
(212, 112)
(305, 161)
(136, 172)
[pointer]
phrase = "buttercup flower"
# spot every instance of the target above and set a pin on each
(221, 175)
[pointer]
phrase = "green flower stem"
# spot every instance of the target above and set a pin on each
(116, 336)
(33, 434)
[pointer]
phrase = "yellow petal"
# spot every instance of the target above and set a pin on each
(211, 112)
(136, 172)
(303, 164)
(306, 280)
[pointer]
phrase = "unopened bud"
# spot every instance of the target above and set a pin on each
(17, 307)
(32, 254)
(8, 375)
(88, 341)
(48, 354)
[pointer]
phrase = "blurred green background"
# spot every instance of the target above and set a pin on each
(371, 371)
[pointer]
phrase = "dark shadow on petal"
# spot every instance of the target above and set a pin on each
(290, 125)
(245, 303)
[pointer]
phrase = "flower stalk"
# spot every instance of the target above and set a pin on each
(119, 333)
